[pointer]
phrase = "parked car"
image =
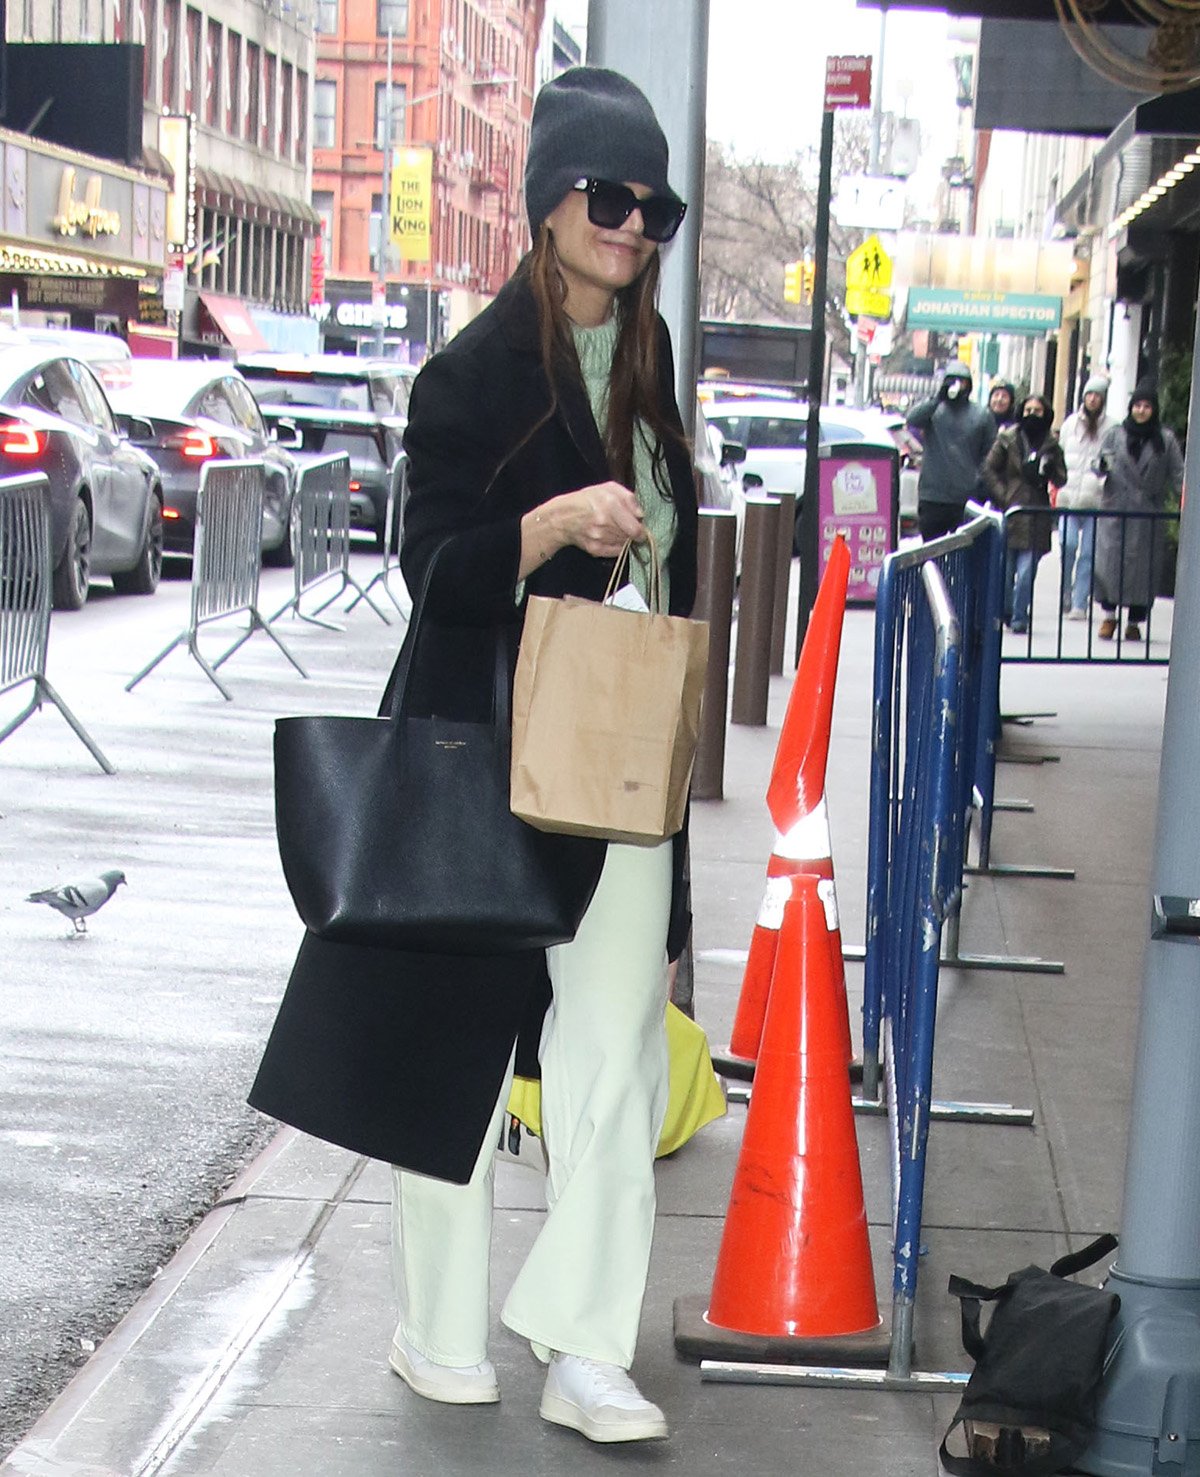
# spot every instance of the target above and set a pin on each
(185, 412)
(334, 403)
(105, 494)
(775, 432)
(105, 354)
(719, 464)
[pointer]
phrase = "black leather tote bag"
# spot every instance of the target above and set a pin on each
(396, 831)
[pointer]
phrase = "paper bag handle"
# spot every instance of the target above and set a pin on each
(624, 560)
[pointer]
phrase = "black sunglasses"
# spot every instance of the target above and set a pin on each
(609, 205)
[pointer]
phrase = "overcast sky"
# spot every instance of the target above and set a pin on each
(767, 62)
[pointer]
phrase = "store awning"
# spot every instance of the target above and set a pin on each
(240, 198)
(233, 319)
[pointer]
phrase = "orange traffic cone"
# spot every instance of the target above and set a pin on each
(795, 1258)
(796, 800)
(794, 1279)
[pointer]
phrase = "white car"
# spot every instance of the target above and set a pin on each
(719, 463)
(774, 433)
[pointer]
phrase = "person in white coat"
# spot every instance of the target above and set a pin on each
(1081, 435)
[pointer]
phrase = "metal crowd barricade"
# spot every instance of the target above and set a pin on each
(26, 584)
(393, 533)
(901, 831)
(225, 565)
(322, 543)
(971, 562)
(1065, 643)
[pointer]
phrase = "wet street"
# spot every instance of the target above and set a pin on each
(126, 1053)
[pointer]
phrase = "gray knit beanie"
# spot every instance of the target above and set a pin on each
(590, 123)
(1097, 385)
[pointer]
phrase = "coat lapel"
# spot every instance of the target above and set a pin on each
(518, 317)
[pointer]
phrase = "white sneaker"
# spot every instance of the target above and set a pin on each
(470, 1384)
(1077, 615)
(598, 1400)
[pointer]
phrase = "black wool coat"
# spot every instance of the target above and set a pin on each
(401, 1055)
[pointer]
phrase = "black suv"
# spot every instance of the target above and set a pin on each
(339, 403)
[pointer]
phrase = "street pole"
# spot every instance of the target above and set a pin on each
(663, 47)
(385, 202)
(862, 371)
(1149, 1412)
(810, 513)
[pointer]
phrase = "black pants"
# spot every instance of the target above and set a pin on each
(1133, 613)
(935, 519)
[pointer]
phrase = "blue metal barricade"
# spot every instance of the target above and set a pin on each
(26, 582)
(225, 566)
(323, 540)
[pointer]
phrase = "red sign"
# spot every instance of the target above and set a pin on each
(847, 82)
(317, 294)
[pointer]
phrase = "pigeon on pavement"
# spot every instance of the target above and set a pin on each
(79, 900)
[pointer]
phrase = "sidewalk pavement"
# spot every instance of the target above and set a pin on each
(261, 1349)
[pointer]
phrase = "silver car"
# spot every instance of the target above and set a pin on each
(106, 504)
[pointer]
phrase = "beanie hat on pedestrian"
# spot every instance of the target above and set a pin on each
(591, 123)
(1145, 390)
(1096, 385)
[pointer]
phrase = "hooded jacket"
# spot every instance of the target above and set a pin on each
(955, 435)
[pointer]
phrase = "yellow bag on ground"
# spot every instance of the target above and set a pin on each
(694, 1099)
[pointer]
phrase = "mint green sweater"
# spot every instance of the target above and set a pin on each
(595, 347)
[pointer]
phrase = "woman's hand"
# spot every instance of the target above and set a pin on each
(599, 519)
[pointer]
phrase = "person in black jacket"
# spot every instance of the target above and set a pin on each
(955, 435)
(539, 441)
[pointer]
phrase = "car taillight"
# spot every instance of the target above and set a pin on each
(354, 486)
(18, 439)
(170, 512)
(195, 444)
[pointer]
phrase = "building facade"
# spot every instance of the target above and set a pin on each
(226, 102)
(461, 85)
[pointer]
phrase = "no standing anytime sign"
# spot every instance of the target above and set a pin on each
(847, 82)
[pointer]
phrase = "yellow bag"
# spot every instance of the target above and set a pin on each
(694, 1099)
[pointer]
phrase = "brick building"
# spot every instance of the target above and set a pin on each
(232, 78)
(463, 79)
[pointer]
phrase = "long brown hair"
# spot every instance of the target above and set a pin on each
(633, 385)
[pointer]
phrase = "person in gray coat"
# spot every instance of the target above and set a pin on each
(1140, 464)
(955, 435)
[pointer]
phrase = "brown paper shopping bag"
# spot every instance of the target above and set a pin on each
(606, 715)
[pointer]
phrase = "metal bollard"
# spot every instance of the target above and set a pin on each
(783, 569)
(714, 604)
(756, 610)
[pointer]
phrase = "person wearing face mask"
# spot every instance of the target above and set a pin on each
(1082, 435)
(1139, 464)
(1002, 401)
(1023, 464)
(955, 435)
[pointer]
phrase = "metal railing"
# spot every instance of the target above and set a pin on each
(393, 534)
(226, 565)
(322, 540)
(1143, 536)
(26, 586)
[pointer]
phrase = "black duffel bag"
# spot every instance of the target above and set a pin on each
(1029, 1407)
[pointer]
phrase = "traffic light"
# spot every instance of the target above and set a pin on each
(791, 282)
(809, 270)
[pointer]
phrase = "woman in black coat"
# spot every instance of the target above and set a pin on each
(1025, 462)
(539, 442)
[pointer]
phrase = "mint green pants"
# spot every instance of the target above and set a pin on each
(604, 1096)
